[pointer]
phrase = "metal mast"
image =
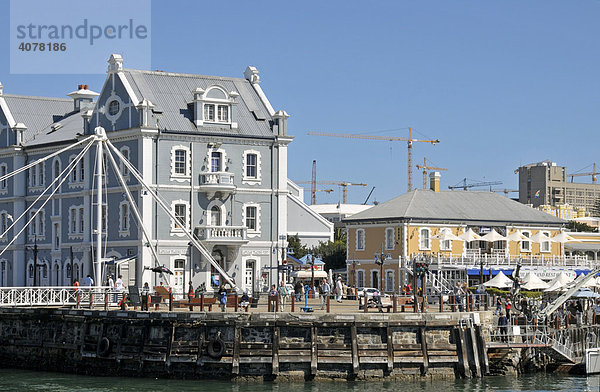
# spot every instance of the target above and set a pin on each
(100, 137)
(313, 184)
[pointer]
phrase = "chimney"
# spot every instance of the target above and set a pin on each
(280, 127)
(83, 97)
(434, 181)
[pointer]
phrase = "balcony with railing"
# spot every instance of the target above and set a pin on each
(213, 182)
(224, 235)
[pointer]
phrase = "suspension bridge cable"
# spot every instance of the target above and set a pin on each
(136, 212)
(44, 203)
(30, 165)
(72, 163)
(163, 205)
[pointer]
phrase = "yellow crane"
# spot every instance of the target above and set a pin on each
(593, 173)
(425, 168)
(343, 184)
(409, 141)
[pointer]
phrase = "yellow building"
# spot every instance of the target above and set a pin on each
(564, 211)
(413, 224)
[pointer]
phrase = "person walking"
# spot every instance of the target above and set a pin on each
(222, 297)
(145, 294)
(272, 298)
(507, 307)
(88, 281)
(298, 290)
(339, 289)
(325, 292)
(119, 287)
(283, 294)
(190, 291)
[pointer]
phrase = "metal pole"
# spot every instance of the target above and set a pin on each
(99, 216)
(72, 275)
(35, 253)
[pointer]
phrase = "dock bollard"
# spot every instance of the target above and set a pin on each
(365, 307)
(395, 303)
(293, 302)
(105, 301)
(170, 299)
(328, 303)
(235, 304)
(441, 303)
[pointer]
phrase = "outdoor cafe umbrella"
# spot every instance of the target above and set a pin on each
(516, 236)
(533, 282)
(161, 269)
(559, 282)
(445, 234)
(469, 236)
(493, 236)
(540, 237)
(585, 293)
(563, 237)
(499, 281)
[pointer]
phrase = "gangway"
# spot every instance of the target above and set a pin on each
(572, 287)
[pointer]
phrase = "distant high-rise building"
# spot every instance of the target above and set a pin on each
(545, 183)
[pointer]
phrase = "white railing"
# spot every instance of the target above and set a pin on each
(221, 233)
(55, 296)
(502, 260)
(216, 178)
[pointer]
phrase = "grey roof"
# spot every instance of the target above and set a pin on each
(172, 92)
(462, 206)
(37, 113)
(70, 127)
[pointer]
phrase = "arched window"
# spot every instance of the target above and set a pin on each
(215, 216)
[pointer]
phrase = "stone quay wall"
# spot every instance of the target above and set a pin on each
(259, 346)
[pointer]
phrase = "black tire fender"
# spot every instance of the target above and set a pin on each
(215, 348)
(104, 347)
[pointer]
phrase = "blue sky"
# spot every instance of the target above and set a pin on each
(500, 83)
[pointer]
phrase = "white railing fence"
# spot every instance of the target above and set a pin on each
(56, 296)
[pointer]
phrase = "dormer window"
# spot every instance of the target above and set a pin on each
(213, 105)
(221, 110)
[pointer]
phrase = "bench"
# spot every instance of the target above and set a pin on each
(208, 302)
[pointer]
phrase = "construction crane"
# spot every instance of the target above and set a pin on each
(369, 196)
(409, 141)
(343, 184)
(506, 191)
(313, 187)
(464, 185)
(593, 173)
(425, 168)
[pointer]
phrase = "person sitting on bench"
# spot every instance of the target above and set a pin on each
(245, 301)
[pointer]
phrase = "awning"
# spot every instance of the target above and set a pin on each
(486, 271)
(308, 274)
(583, 246)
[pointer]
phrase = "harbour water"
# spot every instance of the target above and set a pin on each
(20, 380)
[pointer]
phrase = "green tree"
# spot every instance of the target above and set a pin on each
(332, 253)
(298, 250)
(578, 226)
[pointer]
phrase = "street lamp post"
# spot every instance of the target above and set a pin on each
(34, 248)
(379, 260)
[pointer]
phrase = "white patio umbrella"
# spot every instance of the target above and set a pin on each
(540, 237)
(533, 282)
(445, 234)
(499, 281)
(563, 237)
(470, 235)
(493, 236)
(516, 236)
(559, 282)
